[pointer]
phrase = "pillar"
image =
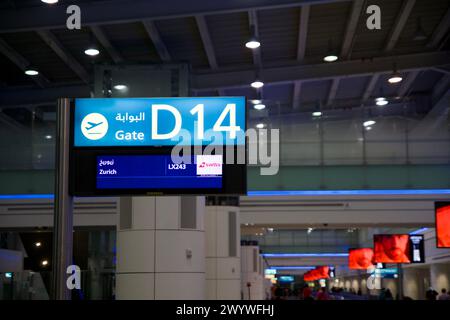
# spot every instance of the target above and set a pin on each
(161, 248)
(223, 263)
(413, 285)
(252, 281)
(440, 276)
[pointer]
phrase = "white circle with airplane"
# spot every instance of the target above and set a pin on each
(94, 126)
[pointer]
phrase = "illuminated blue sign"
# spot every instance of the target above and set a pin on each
(159, 121)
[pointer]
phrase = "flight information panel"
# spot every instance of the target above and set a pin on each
(158, 172)
(124, 146)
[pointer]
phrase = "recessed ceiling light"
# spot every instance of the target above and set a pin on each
(92, 52)
(44, 262)
(257, 84)
(369, 123)
(50, 1)
(259, 106)
(317, 113)
(31, 72)
(38, 244)
(330, 58)
(381, 102)
(380, 98)
(260, 125)
(368, 128)
(120, 87)
(48, 137)
(256, 101)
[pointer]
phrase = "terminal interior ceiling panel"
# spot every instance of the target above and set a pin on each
(349, 97)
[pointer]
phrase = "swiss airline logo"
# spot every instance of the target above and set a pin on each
(209, 165)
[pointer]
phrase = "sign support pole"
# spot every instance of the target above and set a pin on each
(63, 206)
(400, 281)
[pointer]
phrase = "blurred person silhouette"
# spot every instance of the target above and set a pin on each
(444, 295)
(388, 294)
(431, 294)
(323, 294)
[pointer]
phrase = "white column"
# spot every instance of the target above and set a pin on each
(223, 263)
(251, 273)
(440, 276)
(161, 248)
(411, 283)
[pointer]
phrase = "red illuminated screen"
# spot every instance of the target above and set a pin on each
(443, 226)
(361, 258)
(391, 248)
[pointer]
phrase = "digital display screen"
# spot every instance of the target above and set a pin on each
(443, 224)
(417, 253)
(399, 248)
(360, 259)
(158, 172)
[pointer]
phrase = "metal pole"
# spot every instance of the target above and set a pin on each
(63, 204)
(400, 281)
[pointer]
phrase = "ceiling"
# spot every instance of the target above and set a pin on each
(294, 35)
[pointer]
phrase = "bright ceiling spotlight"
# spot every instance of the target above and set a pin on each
(330, 58)
(50, 1)
(259, 106)
(368, 128)
(31, 72)
(120, 87)
(380, 99)
(395, 78)
(44, 263)
(260, 126)
(38, 244)
(369, 123)
(92, 51)
(48, 137)
(256, 101)
(381, 102)
(317, 113)
(257, 84)
(253, 42)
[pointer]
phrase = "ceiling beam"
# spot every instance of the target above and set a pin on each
(301, 49)
(296, 97)
(207, 42)
(11, 123)
(333, 90)
(440, 31)
(50, 39)
(21, 62)
(290, 73)
(302, 32)
(350, 30)
(400, 22)
(437, 114)
(253, 21)
(407, 83)
(104, 41)
(115, 11)
(154, 35)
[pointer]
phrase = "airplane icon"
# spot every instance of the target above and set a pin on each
(93, 125)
